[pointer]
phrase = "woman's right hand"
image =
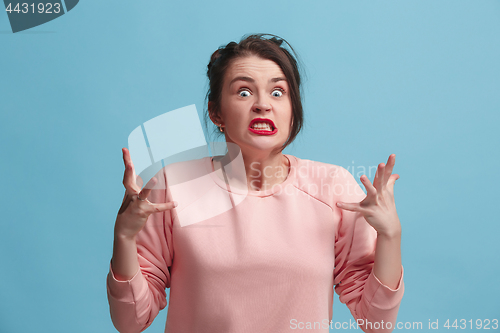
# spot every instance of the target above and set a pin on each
(135, 208)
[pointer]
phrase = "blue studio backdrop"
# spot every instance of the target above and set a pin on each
(420, 79)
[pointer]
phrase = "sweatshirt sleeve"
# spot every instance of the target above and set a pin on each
(135, 303)
(368, 300)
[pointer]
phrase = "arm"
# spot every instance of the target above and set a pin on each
(388, 259)
(124, 262)
(368, 271)
(139, 269)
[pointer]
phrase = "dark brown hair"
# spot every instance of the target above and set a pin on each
(266, 48)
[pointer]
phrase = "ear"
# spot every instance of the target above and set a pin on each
(211, 112)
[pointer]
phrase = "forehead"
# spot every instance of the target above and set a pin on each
(254, 67)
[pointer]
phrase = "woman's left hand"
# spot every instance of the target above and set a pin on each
(378, 207)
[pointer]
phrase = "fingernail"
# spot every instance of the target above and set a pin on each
(339, 204)
(176, 204)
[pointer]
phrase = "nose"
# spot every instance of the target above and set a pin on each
(261, 104)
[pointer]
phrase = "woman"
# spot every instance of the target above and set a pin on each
(269, 264)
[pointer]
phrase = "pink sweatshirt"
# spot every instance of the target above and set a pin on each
(270, 264)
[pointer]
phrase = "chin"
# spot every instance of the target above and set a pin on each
(262, 147)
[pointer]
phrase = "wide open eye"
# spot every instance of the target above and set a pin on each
(244, 93)
(277, 92)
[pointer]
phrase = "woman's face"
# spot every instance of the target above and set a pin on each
(255, 88)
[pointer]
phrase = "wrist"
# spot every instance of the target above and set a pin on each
(122, 235)
(394, 233)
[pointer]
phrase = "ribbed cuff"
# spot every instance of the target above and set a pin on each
(380, 295)
(126, 291)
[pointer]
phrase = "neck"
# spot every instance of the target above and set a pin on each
(263, 169)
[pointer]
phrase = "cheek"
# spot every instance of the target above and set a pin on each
(234, 105)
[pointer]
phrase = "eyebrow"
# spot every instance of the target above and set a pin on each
(249, 79)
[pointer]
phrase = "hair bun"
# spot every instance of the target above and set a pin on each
(220, 52)
(277, 41)
(216, 55)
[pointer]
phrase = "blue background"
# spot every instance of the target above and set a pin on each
(420, 79)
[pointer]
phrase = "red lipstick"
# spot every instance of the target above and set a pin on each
(263, 132)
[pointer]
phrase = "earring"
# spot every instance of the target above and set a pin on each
(221, 129)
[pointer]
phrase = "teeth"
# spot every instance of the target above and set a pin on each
(262, 126)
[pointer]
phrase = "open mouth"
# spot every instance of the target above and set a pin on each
(262, 125)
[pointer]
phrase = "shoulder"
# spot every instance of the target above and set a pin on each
(313, 171)
(175, 172)
(325, 181)
(316, 178)
(195, 167)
